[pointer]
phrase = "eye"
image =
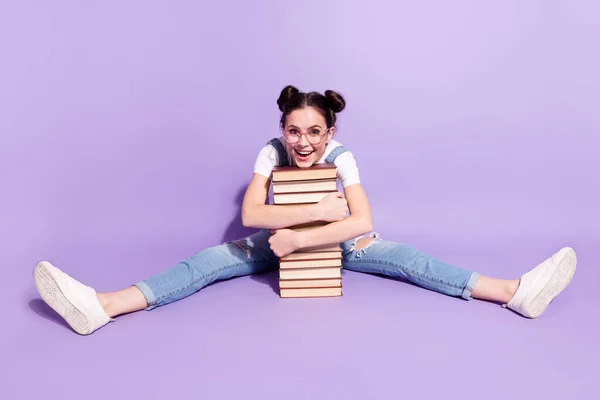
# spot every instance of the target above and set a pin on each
(315, 132)
(294, 131)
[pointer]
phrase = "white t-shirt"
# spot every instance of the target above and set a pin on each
(347, 170)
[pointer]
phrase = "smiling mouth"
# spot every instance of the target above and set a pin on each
(304, 153)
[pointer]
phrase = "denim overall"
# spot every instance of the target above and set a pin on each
(252, 255)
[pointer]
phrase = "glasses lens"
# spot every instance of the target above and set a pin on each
(290, 137)
(314, 138)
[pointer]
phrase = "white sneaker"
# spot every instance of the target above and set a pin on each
(72, 300)
(542, 284)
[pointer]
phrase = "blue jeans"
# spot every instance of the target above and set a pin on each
(253, 254)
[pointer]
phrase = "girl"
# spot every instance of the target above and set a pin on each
(308, 124)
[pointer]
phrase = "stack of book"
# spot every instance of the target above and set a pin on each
(309, 272)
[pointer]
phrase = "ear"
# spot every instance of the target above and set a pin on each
(330, 134)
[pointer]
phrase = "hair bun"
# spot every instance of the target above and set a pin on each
(286, 94)
(335, 101)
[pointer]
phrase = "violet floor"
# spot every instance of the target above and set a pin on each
(237, 339)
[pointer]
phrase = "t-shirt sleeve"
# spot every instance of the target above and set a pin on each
(347, 169)
(266, 160)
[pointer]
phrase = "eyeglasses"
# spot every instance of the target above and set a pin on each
(314, 136)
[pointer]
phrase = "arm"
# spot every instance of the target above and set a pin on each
(286, 241)
(257, 214)
(358, 223)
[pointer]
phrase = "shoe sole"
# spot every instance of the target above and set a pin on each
(52, 295)
(561, 277)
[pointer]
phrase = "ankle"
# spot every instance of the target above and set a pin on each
(511, 288)
(105, 301)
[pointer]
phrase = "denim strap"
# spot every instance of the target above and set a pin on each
(283, 158)
(335, 153)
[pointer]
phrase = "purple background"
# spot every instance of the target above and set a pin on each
(128, 132)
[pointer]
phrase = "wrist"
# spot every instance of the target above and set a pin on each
(299, 240)
(314, 213)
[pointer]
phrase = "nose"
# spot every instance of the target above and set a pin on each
(303, 140)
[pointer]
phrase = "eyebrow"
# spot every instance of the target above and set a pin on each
(314, 126)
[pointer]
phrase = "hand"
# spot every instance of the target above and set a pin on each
(283, 242)
(333, 207)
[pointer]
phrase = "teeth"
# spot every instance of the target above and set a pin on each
(304, 153)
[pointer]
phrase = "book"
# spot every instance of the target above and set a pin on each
(309, 283)
(299, 198)
(317, 171)
(317, 255)
(303, 264)
(311, 292)
(322, 248)
(318, 185)
(311, 273)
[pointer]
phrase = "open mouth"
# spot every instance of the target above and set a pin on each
(303, 155)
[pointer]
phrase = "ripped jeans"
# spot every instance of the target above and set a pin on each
(253, 254)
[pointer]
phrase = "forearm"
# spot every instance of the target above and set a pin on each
(268, 216)
(334, 232)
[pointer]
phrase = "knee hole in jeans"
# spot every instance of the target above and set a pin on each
(361, 244)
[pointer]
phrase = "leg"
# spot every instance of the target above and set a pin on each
(86, 311)
(377, 256)
(243, 257)
(123, 301)
(528, 296)
(497, 290)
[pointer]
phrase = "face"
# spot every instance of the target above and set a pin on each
(307, 120)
